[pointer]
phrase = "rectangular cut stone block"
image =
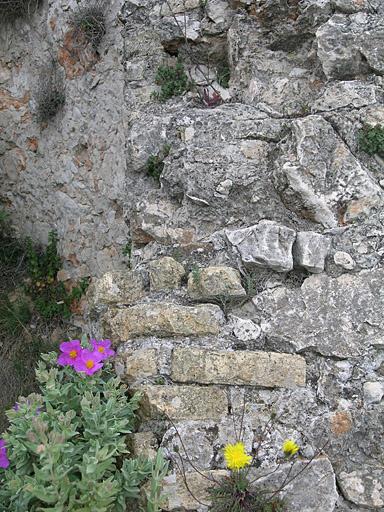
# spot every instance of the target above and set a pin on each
(184, 402)
(140, 364)
(267, 369)
(163, 320)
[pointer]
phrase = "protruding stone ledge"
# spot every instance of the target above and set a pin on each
(211, 282)
(163, 320)
(184, 402)
(266, 369)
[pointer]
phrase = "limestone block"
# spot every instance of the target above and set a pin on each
(266, 369)
(116, 287)
(310, 250)
(165, 274)
(211, 282)
(141, 364)
(184, 402)
(266, 244)
(163, 319)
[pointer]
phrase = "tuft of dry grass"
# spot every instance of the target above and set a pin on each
(50, 93)
(89, 24)
(11, 10)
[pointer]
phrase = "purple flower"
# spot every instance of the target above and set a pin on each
(103, 347)
(4, 461)
(88, 362)
(16, 407)
(71, 351)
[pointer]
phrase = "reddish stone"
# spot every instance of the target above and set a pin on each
(32, 144)
(341, 423)
(76, 56)
(7, 101)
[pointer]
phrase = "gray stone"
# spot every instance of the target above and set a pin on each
(319, 177)
(373, 392)
(165, 274)
(265, 245)
(310, 250)
(349, 94)
(363, 487)
(329, 316)
(313, 490)
(213, 282)
(244, 329)
(345, 260)
(349, 46)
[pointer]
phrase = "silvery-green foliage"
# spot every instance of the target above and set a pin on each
(66, 447)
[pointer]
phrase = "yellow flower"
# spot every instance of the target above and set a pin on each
(290, 447)
(236, 456)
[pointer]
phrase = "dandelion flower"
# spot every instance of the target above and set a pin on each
(88, 362)
(4, 461)
(103, 347)
(290, 448)
(236, 457)
(70, 351)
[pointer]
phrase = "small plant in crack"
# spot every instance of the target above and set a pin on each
(371, 140)
(173, 81)
(50, 94)
(223, 74)
(89, 24)
(155, 163)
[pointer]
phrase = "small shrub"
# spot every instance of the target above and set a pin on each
(50, 95)
(65, 448)
(11, 10)
(89, 24)
(49, 295)
(155, 163)
(223, 74)
(371, 140)
(173, 81)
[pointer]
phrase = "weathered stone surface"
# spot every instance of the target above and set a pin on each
(265, 245)
(363, 487)
(179, 498)
(350, 45)
(119, 287)
(345, 260)
(310, 250)
(165, 274)
(212, 282)
(314, 490)
(349, 94)
(162, 319)
(140, 365)
(266, 369)
(244, 329)
(329, 316)
(321, 179)
(373, 392)
(184, 402)
(143, 444)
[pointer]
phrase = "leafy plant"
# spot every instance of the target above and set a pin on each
(49, 295)
(50, 94)
(65, 447)
(89, 23)
(371, 140)
(13, 316)
(173, 81)
(223, 73)
(155, 163)
(11, 10)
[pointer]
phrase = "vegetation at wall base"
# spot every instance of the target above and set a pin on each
(371, 140)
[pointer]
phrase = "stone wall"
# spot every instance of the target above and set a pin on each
(258, 258)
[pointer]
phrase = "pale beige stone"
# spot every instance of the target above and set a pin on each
(179, 498)
(165, 274)
(141, 364)
(117, 287)
(184, 402)
(267, 369)
(143, 444)
(163, 320)
(208, 283)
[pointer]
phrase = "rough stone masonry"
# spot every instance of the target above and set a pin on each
(256, 262)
